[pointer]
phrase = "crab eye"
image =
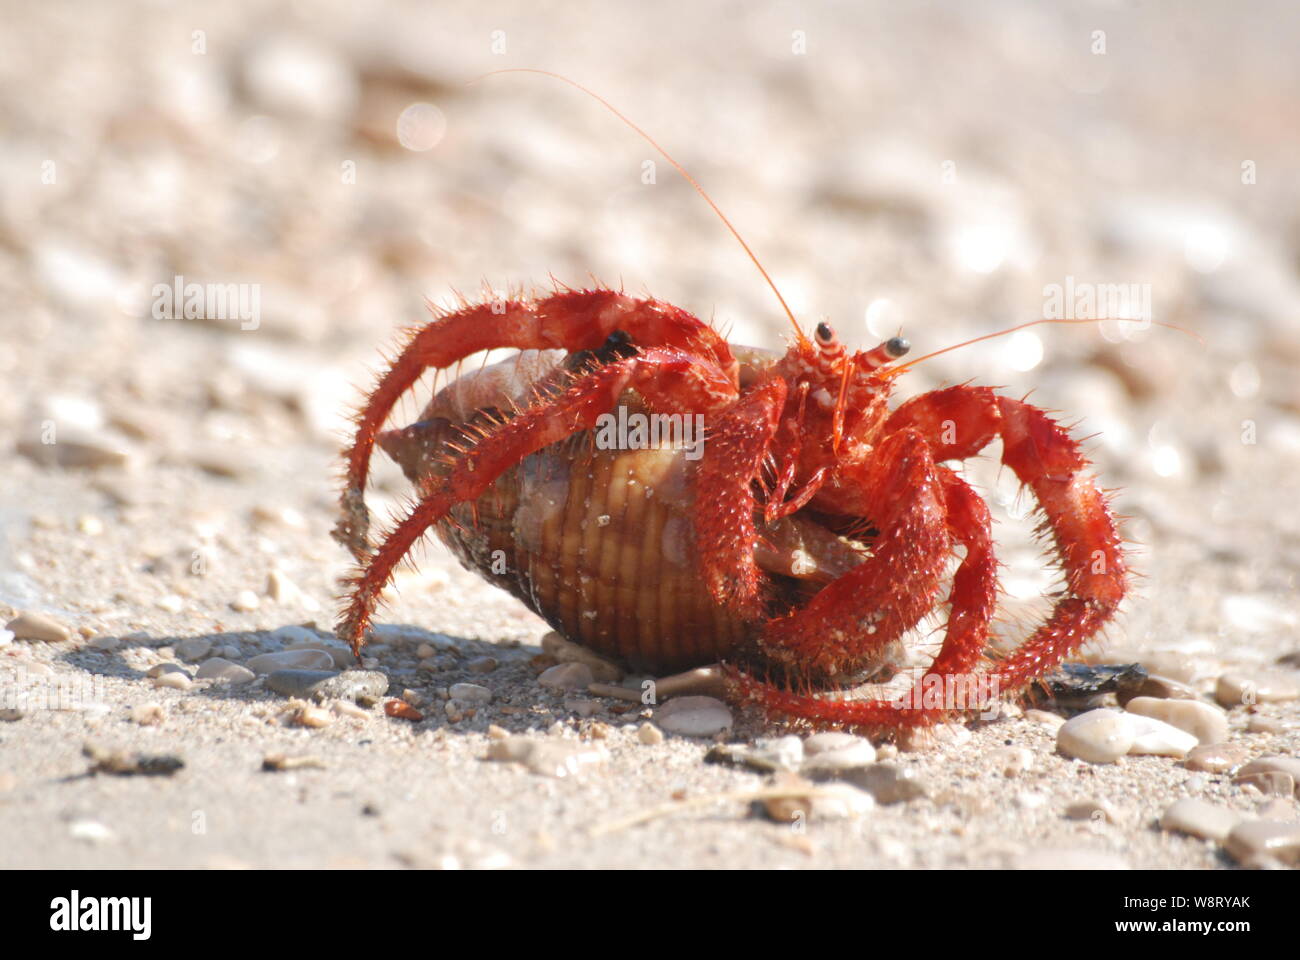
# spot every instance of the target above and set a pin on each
(825, 335)
(897, 347)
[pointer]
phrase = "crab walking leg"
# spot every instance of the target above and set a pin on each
(1048, 461)
(668, 379)
(571, 320)
(725, 530)
(875, 602)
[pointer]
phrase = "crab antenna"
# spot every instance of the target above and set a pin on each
(677, 166)
(1021, 326)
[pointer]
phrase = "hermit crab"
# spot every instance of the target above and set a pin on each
(797, 540)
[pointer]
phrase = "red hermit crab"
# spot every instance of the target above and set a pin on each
(808, 533)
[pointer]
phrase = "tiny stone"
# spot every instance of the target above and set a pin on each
(218, 668)
(567, 676)
(694, 716)
(830, 740)
(497, 733)
(91, 831)
(173, 681)
(1271, 775)
(1052, 721)
(36, 626)
(1265, 725)
(565, 651)
(889, 782)
(148, 714)
(830, 763)
(775, 753)
(291, 660)
(1257, 838)
(481, 665)
(1094, 810)
(172, 603)
(424, 651)
(1027, 800)
(1207, 723)
(193, 648)
(1012, 761)
(649, 734)
(11, 714)
(352, 685)
(90, 525)
(106, 644)
(1166, 688)
(1153, 737)
(313, 717)
(158, 669)
(1215, 757)
(280, 588)
(886, 751)
(345, 708)
(583, 708)
(1098, 736)
(470, 693)
(1259, 686)
(545, 757)
(245, 601)
(297, 683)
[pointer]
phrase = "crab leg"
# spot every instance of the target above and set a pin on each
(572, 320)
(669, 379)
(1048, 461)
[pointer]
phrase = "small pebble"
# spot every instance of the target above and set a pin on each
(694, 717)
(346, 708)
(173, 681)
(1271, 775)
(567, 677)
(297, 683)
(481, 665)
(546, 758)
(172, 603)
(1012, 761)
(1094, 810)
(1098, 736)
(245, 601)
(402, 710)
(291, 660)
(469, 693)
(565, 651)
(1152, 737)
(1053, 721)
(148, 714)
(889, 782)
(1258, 686)
(583, 708)
(91, 831)
(1166, 688)
(1269, 725)
(37, 626)
(1215, 757)
(1259, 838)
(649, 734)
(158, 669)
(1200, 819)
(313, 717)
(280, 588)
(193, 648)
(1206, 722)
(822, 763)
(105, 644)
(351, 685)
(218, 668)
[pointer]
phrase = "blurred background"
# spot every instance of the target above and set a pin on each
(934, 168)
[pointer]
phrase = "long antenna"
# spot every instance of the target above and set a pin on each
(903, 368)
(680, 169)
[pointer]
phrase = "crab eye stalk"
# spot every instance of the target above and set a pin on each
(825, 335)
(897, 347)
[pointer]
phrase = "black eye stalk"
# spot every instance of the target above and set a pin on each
(897, 347)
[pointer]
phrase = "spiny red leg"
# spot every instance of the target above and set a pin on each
(571, 320)
(668, 379)
(973, 600)
(725, 531)
(875, 602)
(1048, 461)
